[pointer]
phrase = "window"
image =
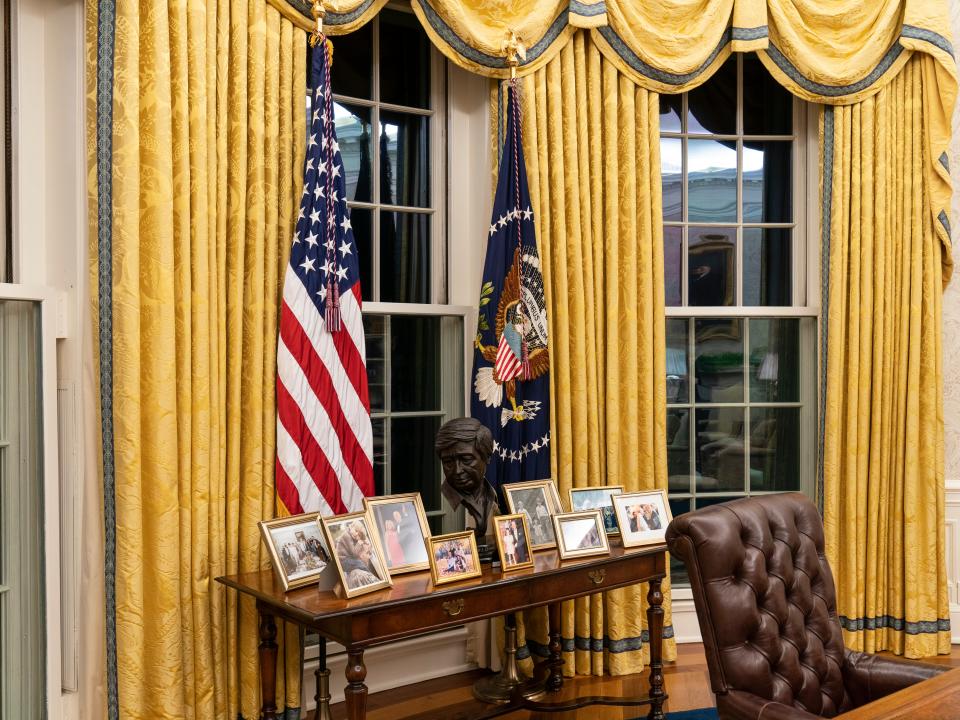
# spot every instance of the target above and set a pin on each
(741, 329)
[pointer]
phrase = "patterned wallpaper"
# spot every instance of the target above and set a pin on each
(951, 302)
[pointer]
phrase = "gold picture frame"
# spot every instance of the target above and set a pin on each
(606, 511)
(520, 542)
(350, 539)
(580, 534)
(443, 548)
(635, 517)
(403, 552)
(520, 495)
(298, 549)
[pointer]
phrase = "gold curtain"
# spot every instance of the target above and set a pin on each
(885, 254)
(196, 160)
(592, 145)
(343, 16)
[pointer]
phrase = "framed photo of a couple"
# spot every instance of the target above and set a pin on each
(643, 517)
(357, 553)
(402, 527)
(513, 542)
(539, 501)
(297, 548)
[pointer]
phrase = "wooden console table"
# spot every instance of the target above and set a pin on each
(413, 606)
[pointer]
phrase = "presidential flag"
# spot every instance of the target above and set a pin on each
(511, 385)
(324, 436)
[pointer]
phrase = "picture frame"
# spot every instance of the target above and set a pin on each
(590, 498)
(357, 554)
(539, 501)
(298, 549)
(402, 528)
(513, 542)
(453, 557)
(643, 517)
(580, 534)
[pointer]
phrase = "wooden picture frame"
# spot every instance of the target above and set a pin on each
(606, 510)
(350, 539)
(298, 549)
(518, 547)
(580, 534)
(635, 518)
(405, 544)
(519, 495)
(444, 549)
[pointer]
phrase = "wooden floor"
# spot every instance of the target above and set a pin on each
(687, 684)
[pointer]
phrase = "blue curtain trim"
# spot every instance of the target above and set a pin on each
(667, 78)
(826, 208)
(945, 221)
(915, 33)
(791, 71)
(287, 714)
(106, 28)
(920, 627)
(331, 18)
(754, 33)
(587, 10)
(631, 644)
(945, 161)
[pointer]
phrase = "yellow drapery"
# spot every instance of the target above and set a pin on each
(883, 416)
(196, 157)
(591, 141)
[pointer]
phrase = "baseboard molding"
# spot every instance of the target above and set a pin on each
(952, 540)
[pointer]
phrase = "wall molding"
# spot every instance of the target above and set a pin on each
(952, 541)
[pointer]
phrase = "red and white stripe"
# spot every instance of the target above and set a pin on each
(324, 435)
(507, 364)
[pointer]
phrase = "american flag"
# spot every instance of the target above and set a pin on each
(324, 436)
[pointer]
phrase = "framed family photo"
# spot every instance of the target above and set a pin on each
(580, 534)
(297, 548)
(643, 517)
(597, 498)
(513, 541)
(401, 525)
(453, 557)
(539, 501)
(357, 553)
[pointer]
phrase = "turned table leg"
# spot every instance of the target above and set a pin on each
(268, 666)
(355, 694)
(322, 674)
(555, 679)
(655, 626)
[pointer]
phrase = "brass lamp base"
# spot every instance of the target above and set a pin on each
(500, 688)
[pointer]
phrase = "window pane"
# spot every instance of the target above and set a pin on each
(708, 501)
(712, 179)
(414, 363)
(719, 358)
(379, 455)
(774, 360)
(775, 449)
(354, 135)
(767, 266)
(719, 449)
(375, 337)
(712, 107)
(678, 571)
(678, 450)
(678, 375)
(671, 173)
(768, 107)
(404, 61)
(361, 221)
(673, 264)
(712, 264)
(404, 159)
(404, 257)
(413, 465)
(670, 108)
(767, 181)
(353, 64)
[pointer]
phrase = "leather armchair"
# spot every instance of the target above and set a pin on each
(766, 605)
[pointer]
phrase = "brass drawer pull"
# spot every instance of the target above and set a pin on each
(453, 607)
(597, 576)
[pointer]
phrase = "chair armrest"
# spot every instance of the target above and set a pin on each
(870, 677)
(739, 705)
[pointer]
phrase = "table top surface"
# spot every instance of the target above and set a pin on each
(934, 699)
(310, 603)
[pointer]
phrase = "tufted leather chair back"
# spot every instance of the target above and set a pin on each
(765, 600)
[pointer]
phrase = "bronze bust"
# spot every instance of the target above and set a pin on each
(464, 446)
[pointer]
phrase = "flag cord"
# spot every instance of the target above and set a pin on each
(332, 309)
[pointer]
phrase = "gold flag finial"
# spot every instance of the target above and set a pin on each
(319, 11)
(515, 51)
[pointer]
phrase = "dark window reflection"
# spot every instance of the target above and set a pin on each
(678, 450)
(719, 449)
(404, 159)
(678, 374)
(767, 266)
(774, 360)
(379, 455)
(712, 180)
(354, 135)
(375, 337)
(353, 64)
(703, 502)
(673, 264)
(678, 571)
(361, 221)
(671, 174)
(767, 181)
(404, 60)
(712, 268)
(414, 467)
(414, 363)
(404, 257)
(713, 105)
(768, 107)
(775, 449)
(719, 360)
